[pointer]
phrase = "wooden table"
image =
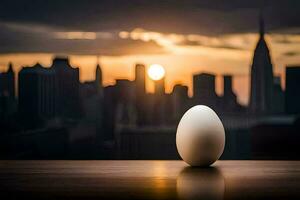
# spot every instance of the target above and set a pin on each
(149, 180)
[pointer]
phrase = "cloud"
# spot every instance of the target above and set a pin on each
(286, 38)
(110, 27)
(235, 47)
(76, 35)
(211, 17)
(81, 35)
(291, 53)
(32, 38)
(171, 40)
(20, 38)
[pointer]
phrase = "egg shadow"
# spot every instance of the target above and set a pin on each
(200, 183)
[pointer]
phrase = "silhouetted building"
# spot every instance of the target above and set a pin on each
(179, 101)
(292, 94)
(141, 100)
(95, 87)
(7, 93)
(125, 107)
(278, 97)
(159, 87)
(91, 101)
(159, 106)
(261, 93)
(7, 82)
(37, 93)
(91, 96)
(109, 104)
(98, 80)
(229, 98)
(67, 77)
(140, 79)
(204, 90)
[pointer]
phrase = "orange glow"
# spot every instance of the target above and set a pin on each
(184, 55)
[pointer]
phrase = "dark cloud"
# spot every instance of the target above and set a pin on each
(211, 17)
(203, 44)
(189, 43)
(16, 38)
(291, 53)
(170, 16)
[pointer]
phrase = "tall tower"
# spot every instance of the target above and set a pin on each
(229, 98)
(37, 93)
(261, 76)
(140, 90)
(98, 79)
(7, 92)
(140, 77)
(67, 88)
(11, 80)
(7, 82)
(159, 87)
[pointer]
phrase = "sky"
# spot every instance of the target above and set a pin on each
(186, 37)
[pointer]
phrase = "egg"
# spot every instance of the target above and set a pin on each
(200, 136)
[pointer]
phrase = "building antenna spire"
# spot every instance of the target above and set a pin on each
(10, 66)
(98, 60)
(261, 21)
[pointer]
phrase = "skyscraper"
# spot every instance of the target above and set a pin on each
(7, 82)
(98, 78)
(229, 98)
(7, 93)
(179, 101)
(204, 89)
(140, 90)
(37, 93)
(292, 94)
(278, 96)
(159, 106)
(159, 87)
(67, 96)
(140, 79)
(261, 76)
(125, 107)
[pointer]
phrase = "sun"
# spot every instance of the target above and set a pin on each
(156, 72)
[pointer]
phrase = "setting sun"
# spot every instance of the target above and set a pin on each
(156, 72)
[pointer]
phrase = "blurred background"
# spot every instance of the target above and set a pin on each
(111, 79)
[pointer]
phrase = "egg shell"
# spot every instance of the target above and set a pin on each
(200, 137)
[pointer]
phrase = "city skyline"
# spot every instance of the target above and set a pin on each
(83, 91)
(123, 67)
(241, 83)
(147, 99)
(215, 40)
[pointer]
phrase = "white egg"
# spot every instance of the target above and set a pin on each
(200, 137)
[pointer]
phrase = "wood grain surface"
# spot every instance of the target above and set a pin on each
(149, 180)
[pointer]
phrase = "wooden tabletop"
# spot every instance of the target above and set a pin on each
(149, 180)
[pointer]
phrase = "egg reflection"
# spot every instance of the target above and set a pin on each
(200, 183)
